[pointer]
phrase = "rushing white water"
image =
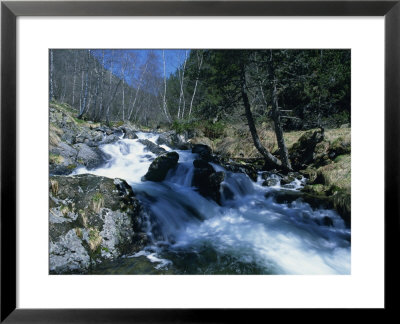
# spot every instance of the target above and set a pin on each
(249, 231)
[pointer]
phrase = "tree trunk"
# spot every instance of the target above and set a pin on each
(182, 94)
(136, 94)
(83, 106)
(51, 76)
(100, 110)
(74, 80)
(165, 91)
(283, 151)
(109, 103)
(195, 85)
(256, 140)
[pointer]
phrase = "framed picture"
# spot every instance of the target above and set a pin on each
(89, 48)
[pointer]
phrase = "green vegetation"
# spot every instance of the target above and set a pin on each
(98, 197)
(55, 158)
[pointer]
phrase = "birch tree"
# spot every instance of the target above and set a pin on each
(74, 78)
(82, 109)
(165, 108)
(200, 63)
(138, 86)
(182, 94)
(51, 75)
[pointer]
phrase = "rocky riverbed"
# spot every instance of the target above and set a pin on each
(116, 192)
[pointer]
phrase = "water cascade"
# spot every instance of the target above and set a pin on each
(249, 233)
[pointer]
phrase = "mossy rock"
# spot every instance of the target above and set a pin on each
(96, 216)
(316, 201)
(316, 189)
(55, 159)
(340, 146)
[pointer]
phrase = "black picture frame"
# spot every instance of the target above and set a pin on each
(10, 10)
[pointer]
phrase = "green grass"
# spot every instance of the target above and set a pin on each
(97, 197)
(336, 174)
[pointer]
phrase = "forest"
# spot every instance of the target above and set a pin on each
(311, 88)
(200, 161)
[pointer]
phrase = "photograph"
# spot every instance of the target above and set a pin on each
(199, 161)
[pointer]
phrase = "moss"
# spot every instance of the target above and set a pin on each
(340, 146)
(71, 166)
(118, 124)
(316, 189)
(79, 121)
(55, 158)
(340, 158)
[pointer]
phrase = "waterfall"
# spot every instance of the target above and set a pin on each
(249, 232)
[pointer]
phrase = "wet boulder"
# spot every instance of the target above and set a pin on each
(290, 177)
(202, 172)
(160, 166)
(204, 151)
(151, 147)
(109, 139)
(327, 221)
(90, 157)
(165, 138)
(173, 140)
(242, 167)
(289, 196)
(206, 180)
(92, 219)
(62, 159)
(214, 184)
(128, 133)
(270, 182)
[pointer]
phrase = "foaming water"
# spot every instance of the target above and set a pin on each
(129, 161)
(248, 233)
(152, 137)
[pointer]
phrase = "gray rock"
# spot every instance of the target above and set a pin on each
(160, 166)
(128, 133)
(166, 138)
(68, 255)
(110, 139)
(65, 150)
(89, 156)
(173, 140)
(270, 182)
(92, 219)
(151, 147)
